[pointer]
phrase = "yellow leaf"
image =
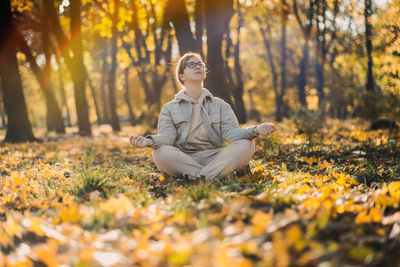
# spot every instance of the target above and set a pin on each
(284, 167)
(161, 177)
(294, 234)
(375, 215)
(117, 206)
(258, 168)
(70, 214)
(260, 221)
(180, 256)
(16, 178)
(35, 226)
(362, 218)
(12, 227)
(394, 190)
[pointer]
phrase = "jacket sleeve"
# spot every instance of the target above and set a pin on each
(230, 129)
(166, 131)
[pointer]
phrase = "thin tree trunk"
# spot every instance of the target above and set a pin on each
(63, 94)
(179, 17)
(128, 97)
(199, 19)
(94, 96)
(217, 17)
(306, 28)
(238, 88)
(112, 79)
(302, 77)
(104, 97)
(271, 61)
(19, 128)
(279, 100)
(320, 57)
(368, 44)
(74, 64)
(54, 119)
(79, 70)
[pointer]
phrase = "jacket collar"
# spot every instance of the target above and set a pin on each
(181, 96)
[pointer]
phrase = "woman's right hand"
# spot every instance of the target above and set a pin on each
(140, 141)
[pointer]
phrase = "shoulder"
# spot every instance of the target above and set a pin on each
(218, 101)
(170, 105)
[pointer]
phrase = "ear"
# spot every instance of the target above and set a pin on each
(181, 77)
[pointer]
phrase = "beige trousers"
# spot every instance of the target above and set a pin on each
(212, 163)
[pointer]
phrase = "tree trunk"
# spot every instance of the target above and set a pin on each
(217, 17)
(179, 17)
(128, 97)
(111, 79)
(302, 77)
(238, 88)
(199, 19)
(94, 96)
(271, 62)
(74, 64)
(63, 94)
(320, 57)
(78, 70)
(279, 100)
(368, 44)
(104, 97)
(306, 29)
(19, 128)
(54, 118)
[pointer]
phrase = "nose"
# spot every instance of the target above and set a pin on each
(199, 67)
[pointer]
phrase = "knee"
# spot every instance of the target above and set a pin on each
(245, 146)
(162, 153)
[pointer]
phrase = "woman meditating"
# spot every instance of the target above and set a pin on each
(198, 134)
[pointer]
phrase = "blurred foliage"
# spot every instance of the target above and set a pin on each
(345, 68)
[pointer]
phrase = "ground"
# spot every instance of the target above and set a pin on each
(331, 199)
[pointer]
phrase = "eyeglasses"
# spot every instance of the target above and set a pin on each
(193, 65)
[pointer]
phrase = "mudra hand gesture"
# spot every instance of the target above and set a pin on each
(140, 141)
(265, 129)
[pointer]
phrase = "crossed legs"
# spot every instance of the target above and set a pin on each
(212, 163)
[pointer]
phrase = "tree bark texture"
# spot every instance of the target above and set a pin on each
(75, 63)
(63, 94)
(238, 88)
(104, 97)
(94, 96)
(320, 57)
(132, 120)
(217, 17)
(113, 68)
(19, 128)
(306, 29)
(179, 17)
(279, 100)
(368, 44)
(54, 118)
(78, 69)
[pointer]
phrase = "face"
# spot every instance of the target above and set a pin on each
(194, 70)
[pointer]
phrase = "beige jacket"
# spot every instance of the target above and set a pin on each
(219, 121)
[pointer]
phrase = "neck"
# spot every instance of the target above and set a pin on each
(193, 89)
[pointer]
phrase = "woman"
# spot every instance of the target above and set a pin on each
(193, 128)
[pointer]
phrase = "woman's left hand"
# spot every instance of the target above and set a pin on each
(265, 129)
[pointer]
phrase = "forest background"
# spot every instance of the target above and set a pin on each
(112, 62)
(80, 77)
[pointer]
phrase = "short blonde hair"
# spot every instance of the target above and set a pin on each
(182, 65)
